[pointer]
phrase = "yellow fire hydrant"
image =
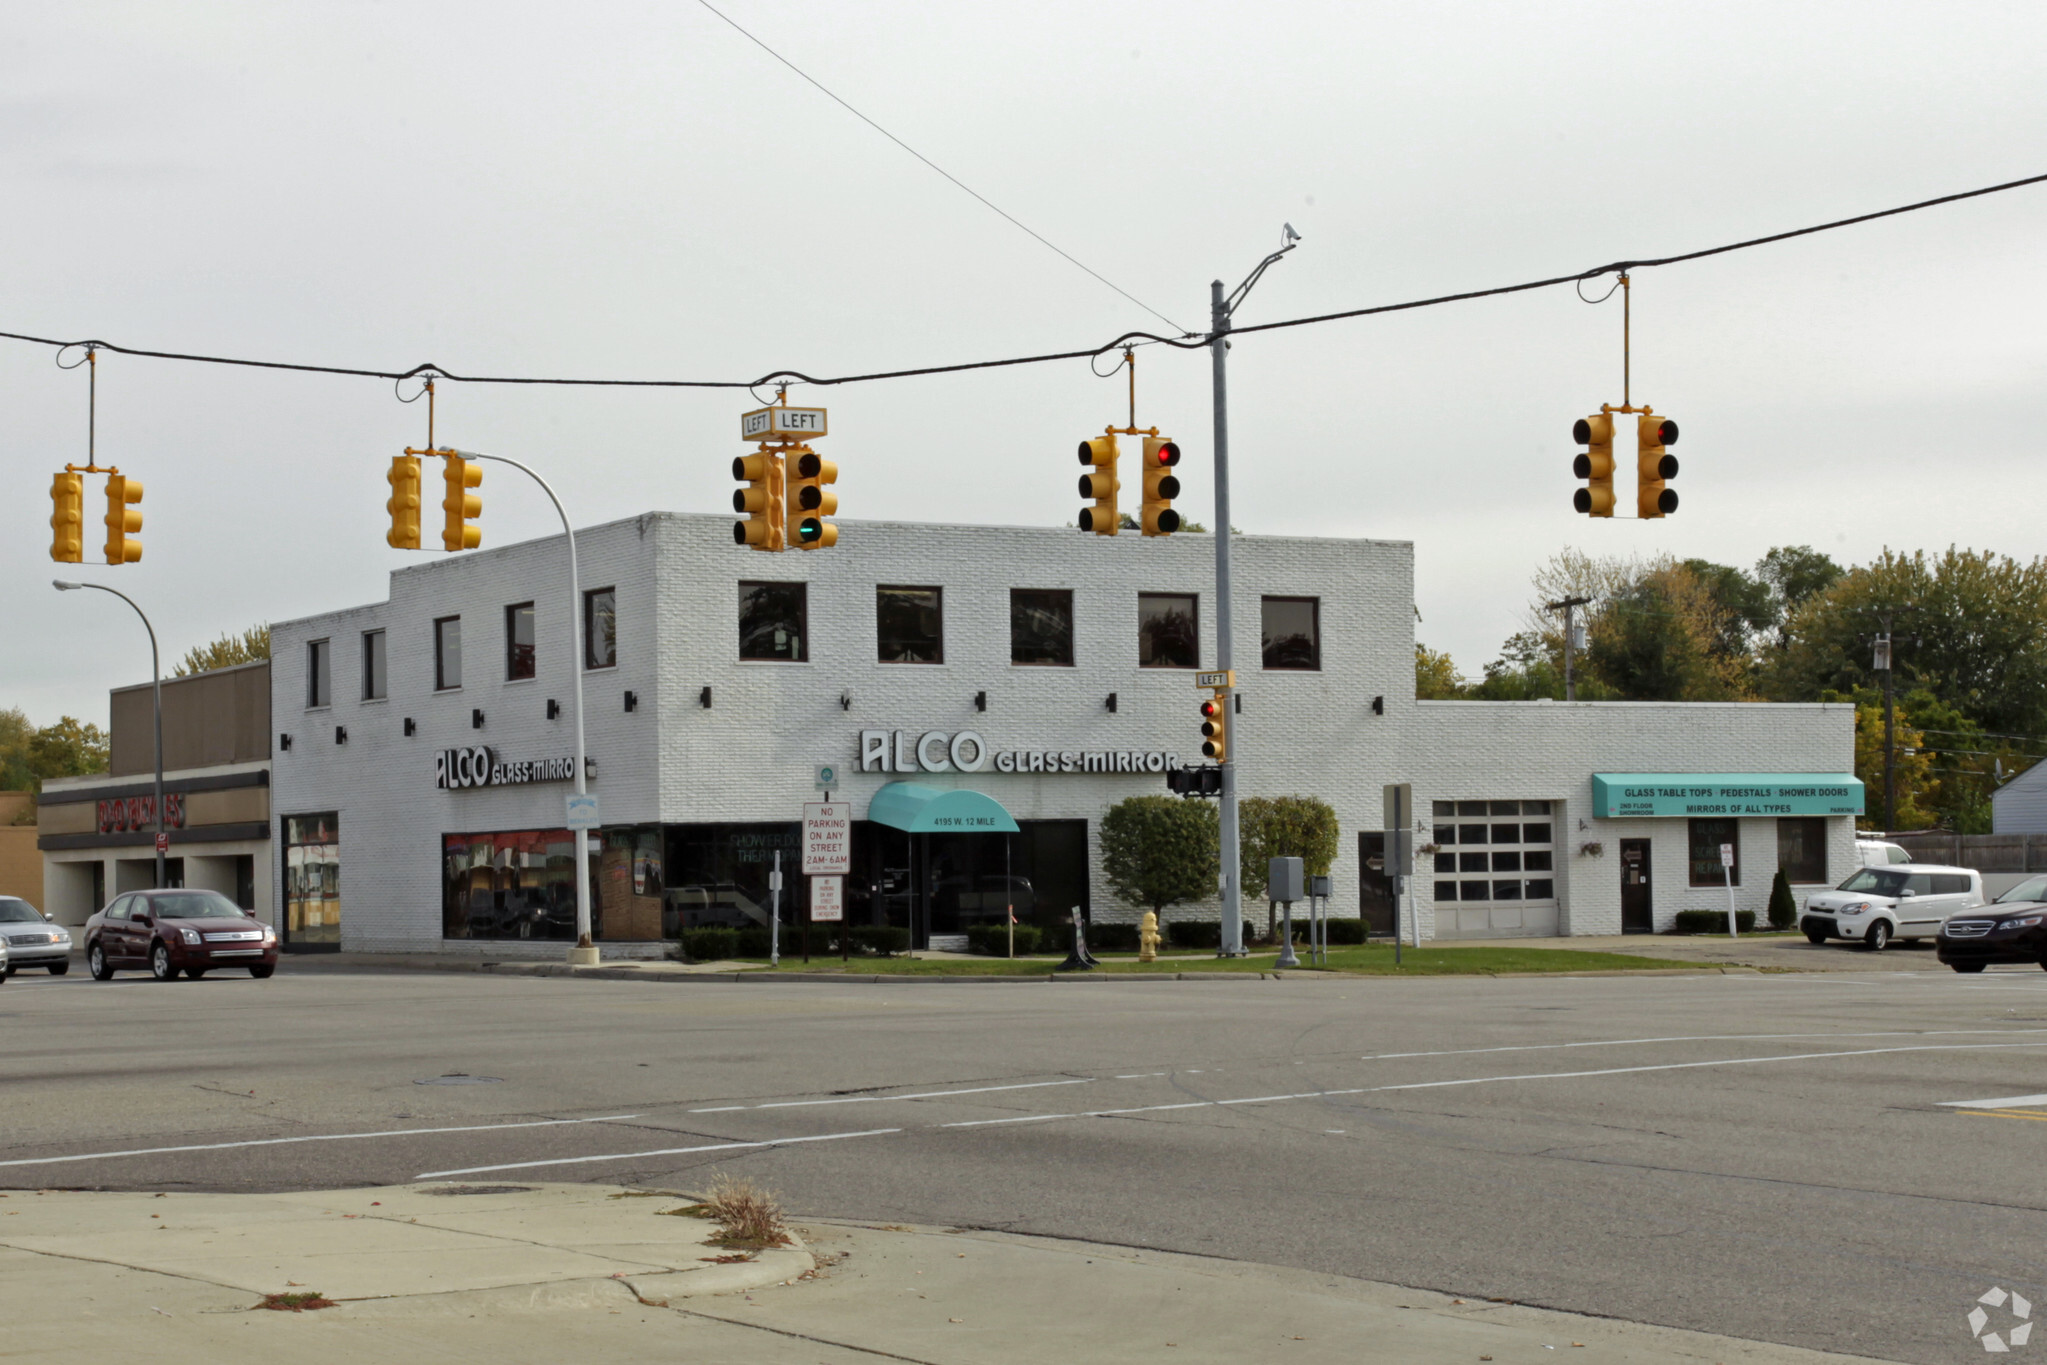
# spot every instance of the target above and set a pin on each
(1148, 937)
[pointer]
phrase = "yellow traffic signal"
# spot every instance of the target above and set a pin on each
(760, 500)
(1215, 727)
(1100, 484)
(1595, 465)
(1653, 464)
(461, 505)
(404, 503)
(123, 519)
(810, 502)
(67, 520)
(1161, 486)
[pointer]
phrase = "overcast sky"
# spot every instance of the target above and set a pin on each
(637, 190)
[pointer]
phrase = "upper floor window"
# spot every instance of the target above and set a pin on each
(1040, 626)
(319, 673)
(600, 628)
(1168, 630)
(447, 653)
(773, 622)
(519, 641)
(1291, 628)
(375, 669)
(910, 625)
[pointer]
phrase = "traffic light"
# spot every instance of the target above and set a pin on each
(67, 521)
(760, 500)
(1596, 465)
(1654, 464)
(460, 505)
(1206, 780)
(1161, 486)
(1100, 484)
(404, 503)
(123, 519)
(1215, 728)
(810, 502)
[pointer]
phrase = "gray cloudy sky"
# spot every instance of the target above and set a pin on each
(636, 190)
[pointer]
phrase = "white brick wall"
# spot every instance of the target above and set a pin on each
(751, 755)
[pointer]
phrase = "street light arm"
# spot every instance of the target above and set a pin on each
(156, 691)
(1230, 304)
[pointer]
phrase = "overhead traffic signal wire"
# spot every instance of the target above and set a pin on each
(1183, 342)
(1011, 218)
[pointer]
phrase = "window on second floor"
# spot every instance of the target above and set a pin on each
(773, 622)
(519, 641)
(375, 667)
(910, 625)
(1040, 626)
(319, 673)
(447, 653)
(1168, 630)
(1291, 628)
(600, 628)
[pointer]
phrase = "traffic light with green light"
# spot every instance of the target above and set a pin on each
(809, 501)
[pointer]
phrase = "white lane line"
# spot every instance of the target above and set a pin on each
(2008, 1102)
(1704, 1038)
(661, 1151)
(1489, 1080)
(873, 1099)
(1141, 1076)
(316, 1137)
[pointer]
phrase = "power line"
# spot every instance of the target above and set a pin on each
(1185, 341)
(936, 167)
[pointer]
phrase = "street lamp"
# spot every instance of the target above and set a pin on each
(156, 687)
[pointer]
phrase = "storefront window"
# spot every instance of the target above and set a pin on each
(511, 884)
(447, 653)
(1167, 630)
(600, 628)
(1292, 632)
(1704, 860)
(772, 624)
(717, 875)
(312, 881)
(519, 641)
(1802, 849)
(910, 625)
(1040, 626)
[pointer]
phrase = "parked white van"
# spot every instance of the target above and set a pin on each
(1879, 853)
(1878, 904)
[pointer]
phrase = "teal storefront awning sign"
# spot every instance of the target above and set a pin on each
(1678, 795)
(938, 810)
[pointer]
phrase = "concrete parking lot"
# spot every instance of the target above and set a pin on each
(1778, 1157)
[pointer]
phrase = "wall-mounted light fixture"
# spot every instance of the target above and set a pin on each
(476, 718)
(1111, 702)
(341, 734)
(980, 701)
(1239, 707)
(589, 767)
(704, 698)
(411, 727)
(284, 741)
(1378, 706)
(632, 701)
(846, 700)
(554, 709)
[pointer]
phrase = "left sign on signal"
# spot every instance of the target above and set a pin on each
(780, 423)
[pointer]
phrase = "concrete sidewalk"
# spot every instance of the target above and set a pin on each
(544, 1273)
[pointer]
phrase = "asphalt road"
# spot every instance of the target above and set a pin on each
(1762, 1156)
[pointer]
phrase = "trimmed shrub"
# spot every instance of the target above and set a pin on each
(1713, 921)
(1195, 934)
(881, 939)
(1341, 931)
(992, 940)
(753, 941)
(1110, 938)
(710, 945)
(1783, 908)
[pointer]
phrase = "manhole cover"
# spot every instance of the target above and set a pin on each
(478, 1189)
(459, 1079)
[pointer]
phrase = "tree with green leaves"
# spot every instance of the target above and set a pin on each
(1435, 675)
(1157, 850)
(28, 756)
(230, 649)
(1301, 827)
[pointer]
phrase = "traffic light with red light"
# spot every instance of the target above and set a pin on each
(809, 501)
(460, 504)
(404, 503)
(67, 518)
(1654, 464)
(1595, 465)
(1215, 728)
(1100, 484)
(123, 519)
(1161, 486)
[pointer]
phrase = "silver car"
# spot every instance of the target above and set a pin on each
(30, 940)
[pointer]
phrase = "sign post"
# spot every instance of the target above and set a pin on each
(775, 912)
(1727, 873)
(1398, 804)
(827, 858)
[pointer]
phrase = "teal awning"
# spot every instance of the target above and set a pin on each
(1618, 795)
(936, 810)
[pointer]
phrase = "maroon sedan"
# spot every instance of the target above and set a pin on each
(177, 930)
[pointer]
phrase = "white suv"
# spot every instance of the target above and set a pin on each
(1878, 904)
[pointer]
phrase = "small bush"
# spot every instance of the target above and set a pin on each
(749, 1218)
(1783, 908)
(1195, 934)
(992, 940)
(881, 939)
(710, 945)
(1713, 921)
(1341, 931)
(1111, 938)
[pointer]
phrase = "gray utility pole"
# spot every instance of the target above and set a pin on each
(1882, 664)
(156, 686)
(1220, 310)
(1567, 606)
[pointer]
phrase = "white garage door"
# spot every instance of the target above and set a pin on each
(1495, 869)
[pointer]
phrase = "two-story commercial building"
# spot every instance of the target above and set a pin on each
(982, 695)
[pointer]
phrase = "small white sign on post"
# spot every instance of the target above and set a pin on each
(583, 811)
(827, 838)
(1727, 874)
(827, 900)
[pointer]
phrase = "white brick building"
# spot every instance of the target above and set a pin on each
(704, 757)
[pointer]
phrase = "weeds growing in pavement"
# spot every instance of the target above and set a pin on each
(749, 1218)
(296, 1303)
